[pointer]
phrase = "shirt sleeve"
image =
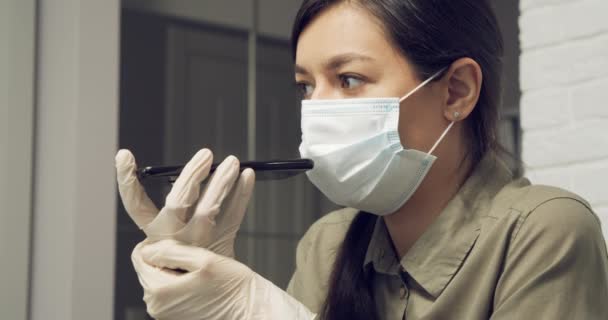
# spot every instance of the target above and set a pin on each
(557, 266)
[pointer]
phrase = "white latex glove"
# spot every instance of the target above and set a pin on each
(190, 234)
(189, 215)
(213, 287)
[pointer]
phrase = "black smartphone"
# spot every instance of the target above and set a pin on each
(264, 170)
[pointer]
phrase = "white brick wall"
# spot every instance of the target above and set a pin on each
(564, 107)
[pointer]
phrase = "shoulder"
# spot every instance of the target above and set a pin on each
(330, 230)
(558, 213)
(529, 199)
(549, 211)
(315, 257)
(336, 219)
(554, 246)
(537, 201)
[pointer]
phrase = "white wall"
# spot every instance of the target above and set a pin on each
(76, 136)
(275, 16)
(564, 108)
(17, 26)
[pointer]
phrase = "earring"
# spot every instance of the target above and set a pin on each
(456, 115)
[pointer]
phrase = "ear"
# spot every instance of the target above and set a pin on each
(464, 79)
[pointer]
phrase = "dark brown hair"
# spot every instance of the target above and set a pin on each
(431, 35)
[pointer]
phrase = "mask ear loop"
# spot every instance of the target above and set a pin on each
(445, 132)
(422, 84)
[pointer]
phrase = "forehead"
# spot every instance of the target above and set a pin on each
(343, 28)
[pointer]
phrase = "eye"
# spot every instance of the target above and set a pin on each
(350, 81)
(305, 90)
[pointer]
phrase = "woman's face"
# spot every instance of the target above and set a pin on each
(345, 53)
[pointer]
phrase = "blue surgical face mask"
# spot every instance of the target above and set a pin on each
(360, 161)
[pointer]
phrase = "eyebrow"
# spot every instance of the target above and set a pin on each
(337, 62)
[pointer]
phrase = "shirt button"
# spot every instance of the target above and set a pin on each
(402, 292)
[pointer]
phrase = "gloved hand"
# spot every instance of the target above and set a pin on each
(210, 287)
(185, 265)
(189, 215)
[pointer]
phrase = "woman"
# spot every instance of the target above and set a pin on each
(436, 227)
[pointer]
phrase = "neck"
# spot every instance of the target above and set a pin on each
(441, 184)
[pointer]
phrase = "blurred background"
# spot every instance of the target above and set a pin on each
(166, 78)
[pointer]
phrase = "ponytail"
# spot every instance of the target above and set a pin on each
(350, 294)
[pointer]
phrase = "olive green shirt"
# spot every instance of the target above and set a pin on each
(501, 249)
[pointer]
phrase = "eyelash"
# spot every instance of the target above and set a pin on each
(301, 88)
(342, 78)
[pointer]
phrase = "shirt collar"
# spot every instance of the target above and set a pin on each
(436, 256)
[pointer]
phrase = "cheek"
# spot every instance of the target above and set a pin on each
(420, 123)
